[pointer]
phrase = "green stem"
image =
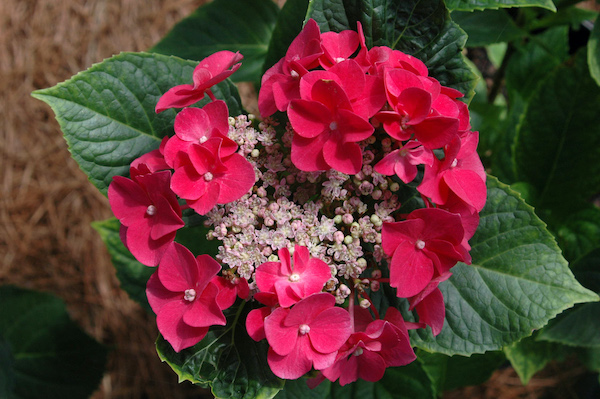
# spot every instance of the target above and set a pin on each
(235, 320)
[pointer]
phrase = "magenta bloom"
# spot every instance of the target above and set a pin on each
(148, 211)
(205, 179)
(293, 281)
(460, 173)
(337, 47)
(280, 83)
(424, 246)
(429, 304)
(369, 351)
(309, 334)
(403, 161)
(197, 126)
(327, 130)
(210, 71)
(183, 297)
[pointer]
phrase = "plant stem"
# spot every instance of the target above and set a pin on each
(499, 76)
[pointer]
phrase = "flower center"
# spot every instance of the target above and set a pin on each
(203, 139)
(294, 278)
(454, 163)
(420, 244)
(151, 210)
(189, 295)
(358, 352)
(333, 125)
(208, 176)
(303, 329)
(339, 59)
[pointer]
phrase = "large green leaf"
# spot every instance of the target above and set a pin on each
(577, 327)
(533, 61)
(43, 353)
(594, 52)
(452, 372)
(408, 382)
(227, 359)
(470, 5)
(579, 234)
(422, 28)
(529, 356)
(289, 25)
(236, 25)
(518, 281)
(487, 27)
(558, 144)
(131, 274)
(107, 112)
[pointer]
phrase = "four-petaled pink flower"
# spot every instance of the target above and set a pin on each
(307, 335)
(210, 71)
(148, 211)
(425, 245)
(183, 297)
(327, 130)
(370, 350)
(293, 281)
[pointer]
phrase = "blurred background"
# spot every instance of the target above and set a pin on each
(47, 204)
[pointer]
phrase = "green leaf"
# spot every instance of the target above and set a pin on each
(594, 52)
(579, 234)
(572, 16)
(452, 372)
(518, 281)
(558, 144)
(227, 359)
(131, 274)
(43, 353)
(421, 28)
(487, 27)
(235, 25)
(577, 327)
(405, 382)
(470, 5)
(298, 389)
(534, 61)
(289, 25)
(529, 356)
(107, 112)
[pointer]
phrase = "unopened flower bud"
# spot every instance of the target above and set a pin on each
(394, 187)
(338, 237)
(364, 303)
(348, 240)
(376, 220)
(376, 194)
(376, 274)
(273, 258)
(375, 286)
(337, 219)
(231, 121)
(255, 153)
(362, 263)
(347, 218)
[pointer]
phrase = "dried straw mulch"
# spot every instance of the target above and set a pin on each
(47, 204)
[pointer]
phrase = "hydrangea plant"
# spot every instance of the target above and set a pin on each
(347, 237)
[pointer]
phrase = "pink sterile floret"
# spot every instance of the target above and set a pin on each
(148, 211)
(204, 178)
(305, 336)
(292, 281)
(460, 173)
(429, 304)
(183, 297)
(369, 351)
(424, 246)
(403, 161)
(197, 126)
(210, 71)
(327, 130)
(280, 83)
(230, 289)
